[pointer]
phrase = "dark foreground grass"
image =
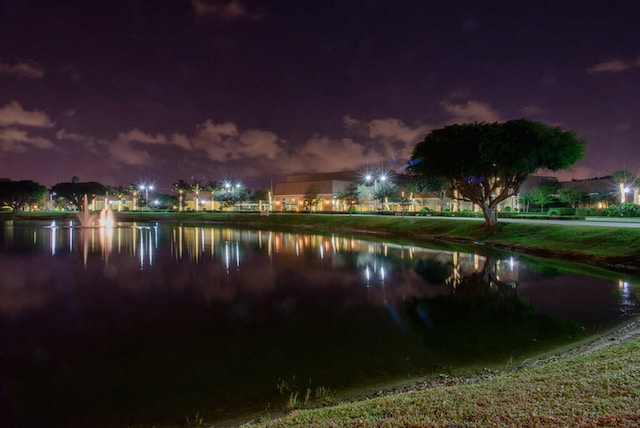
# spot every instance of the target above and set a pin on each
(601, 388)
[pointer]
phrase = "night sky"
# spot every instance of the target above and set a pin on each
(152, 91)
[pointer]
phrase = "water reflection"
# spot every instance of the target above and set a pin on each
(139, 241)
(484, 315)
(163, 320)
(389, 272)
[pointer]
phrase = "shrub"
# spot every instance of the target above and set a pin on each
(582, 212)
(557, 212)
(624, 210)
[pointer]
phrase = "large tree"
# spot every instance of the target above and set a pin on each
(18, 194)
(75, 191)
(487, 162)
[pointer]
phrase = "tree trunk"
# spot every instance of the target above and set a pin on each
(490, 215)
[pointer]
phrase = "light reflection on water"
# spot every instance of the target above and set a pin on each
(215, 314)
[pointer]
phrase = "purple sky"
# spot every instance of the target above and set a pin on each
(132, 91)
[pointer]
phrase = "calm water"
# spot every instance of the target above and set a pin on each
(155, 323)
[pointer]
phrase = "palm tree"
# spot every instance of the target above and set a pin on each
(211, 187)
(624, 179)
(181, 187)
(196, 188)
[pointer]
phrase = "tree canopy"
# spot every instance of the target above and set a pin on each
(75, 190)
(17, 194)
(487, 162)
(351, 195)
(311, 197)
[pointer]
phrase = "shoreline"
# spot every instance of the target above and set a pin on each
(628, 332)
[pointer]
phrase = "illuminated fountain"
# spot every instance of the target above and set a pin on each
(104, 219)
(85, 218)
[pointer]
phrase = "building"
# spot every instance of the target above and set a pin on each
(289, 195)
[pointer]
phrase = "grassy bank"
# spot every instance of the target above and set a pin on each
(607, 246)
(599, 388)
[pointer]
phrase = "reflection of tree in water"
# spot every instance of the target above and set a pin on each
(434, 271)
(483, 316)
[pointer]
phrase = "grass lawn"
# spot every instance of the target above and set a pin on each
(596, 387)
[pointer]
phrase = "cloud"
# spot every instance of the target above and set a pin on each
(22, 69)
(14, 140)
(122, 151)
(181, 141)
(135, 135)
(69, 136)
(471, 111)
(532, 110)
(233, 9)
(613, 66)
(259, 143)
(224, 141)
(396, 130)
(125, 148)
(327, 154)
(219, 141)
(14, 114)
(388, 137)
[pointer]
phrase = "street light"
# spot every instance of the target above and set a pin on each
(368, 178)
(146, 195)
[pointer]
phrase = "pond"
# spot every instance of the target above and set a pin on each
(156, 323)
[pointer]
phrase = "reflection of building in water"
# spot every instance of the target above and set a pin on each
(629, 295)
(376, 260)
(138, 241)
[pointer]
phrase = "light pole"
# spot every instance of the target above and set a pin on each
(146, 189)
(368, 178)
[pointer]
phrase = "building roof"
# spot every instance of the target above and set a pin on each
(594, 185)
(322, 176)
(324, 187)
(534, 181)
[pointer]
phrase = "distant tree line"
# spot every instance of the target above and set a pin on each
(483, 163)
(76, 194)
